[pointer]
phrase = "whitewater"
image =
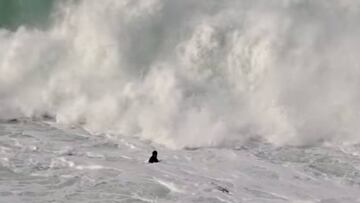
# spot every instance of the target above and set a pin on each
(245, 101)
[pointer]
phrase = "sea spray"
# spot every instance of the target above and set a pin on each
(191, 73)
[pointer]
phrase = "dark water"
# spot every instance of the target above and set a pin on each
(14, 13)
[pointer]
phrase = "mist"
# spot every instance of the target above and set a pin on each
(191, 73)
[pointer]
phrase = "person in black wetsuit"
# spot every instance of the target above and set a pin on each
(153, 158)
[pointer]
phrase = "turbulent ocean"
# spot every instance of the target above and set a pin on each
(246, 101)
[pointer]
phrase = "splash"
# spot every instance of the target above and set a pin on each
(192, 73)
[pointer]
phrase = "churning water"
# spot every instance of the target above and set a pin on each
(282, 75)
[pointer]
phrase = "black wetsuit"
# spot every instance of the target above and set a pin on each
(153, 158)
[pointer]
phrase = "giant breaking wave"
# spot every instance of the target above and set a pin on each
(191, 73)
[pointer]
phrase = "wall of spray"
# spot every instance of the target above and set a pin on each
(191, 73)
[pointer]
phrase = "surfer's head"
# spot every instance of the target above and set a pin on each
(154, 153)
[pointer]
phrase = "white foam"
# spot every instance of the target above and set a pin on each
(89, 167)
(191, 73)
(170, 185)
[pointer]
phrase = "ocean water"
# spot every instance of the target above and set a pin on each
(44, 162)
(246, 101)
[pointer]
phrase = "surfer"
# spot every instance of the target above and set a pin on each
(153, 158)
